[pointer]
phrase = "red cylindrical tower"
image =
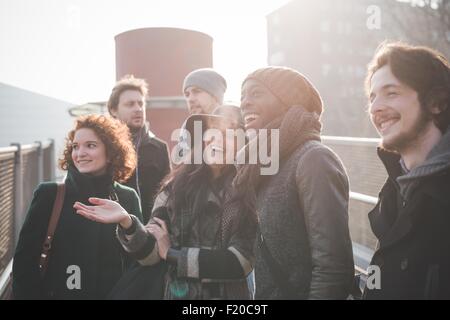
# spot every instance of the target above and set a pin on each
(162, 56)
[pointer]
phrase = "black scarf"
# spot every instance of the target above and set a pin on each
(85, 185)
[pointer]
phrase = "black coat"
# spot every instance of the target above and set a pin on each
(153, 166)
(414, 237)
(91, 246)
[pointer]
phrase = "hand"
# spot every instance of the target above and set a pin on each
(104, 211)
(161, 235)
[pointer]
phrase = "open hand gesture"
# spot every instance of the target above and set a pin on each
(104, 211)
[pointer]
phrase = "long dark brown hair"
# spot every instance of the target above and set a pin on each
(183, 184)
(188, 182)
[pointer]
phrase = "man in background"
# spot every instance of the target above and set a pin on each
(203, 90)
(127, 103)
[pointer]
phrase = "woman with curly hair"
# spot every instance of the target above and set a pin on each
(86, 258)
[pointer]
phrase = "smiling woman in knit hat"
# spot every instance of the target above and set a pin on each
(302, 210)
(286, 88)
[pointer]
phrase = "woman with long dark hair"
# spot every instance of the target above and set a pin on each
(202, 225)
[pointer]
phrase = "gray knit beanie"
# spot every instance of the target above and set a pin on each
(207, 80)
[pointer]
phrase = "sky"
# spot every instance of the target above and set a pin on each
(65, 48)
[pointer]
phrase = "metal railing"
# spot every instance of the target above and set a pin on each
(363, 254)
(367, 175)
(22, 168)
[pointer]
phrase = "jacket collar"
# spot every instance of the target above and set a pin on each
(142, 137)
(387, 231)
(436, 164)
(431, 186)
(391, 162)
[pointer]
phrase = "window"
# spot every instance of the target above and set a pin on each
(348, 28)
(326, 68)
(276, 39)
(276, 58)
(276, 19)
(340, 27)
(325, 47)
(325, 26)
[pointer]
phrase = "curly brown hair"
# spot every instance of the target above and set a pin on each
(117, 139)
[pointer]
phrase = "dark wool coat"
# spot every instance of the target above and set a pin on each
(91, 246)
(412, 224)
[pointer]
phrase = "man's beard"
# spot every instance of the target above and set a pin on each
(135, 129)
(408, 139)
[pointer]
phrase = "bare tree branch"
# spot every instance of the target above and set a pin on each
(425, 22)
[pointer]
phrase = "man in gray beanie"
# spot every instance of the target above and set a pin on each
(203, 90)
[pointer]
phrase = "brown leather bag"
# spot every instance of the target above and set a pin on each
(54, 218)
(47, 245)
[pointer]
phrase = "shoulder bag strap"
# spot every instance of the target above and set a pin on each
(54, 218)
